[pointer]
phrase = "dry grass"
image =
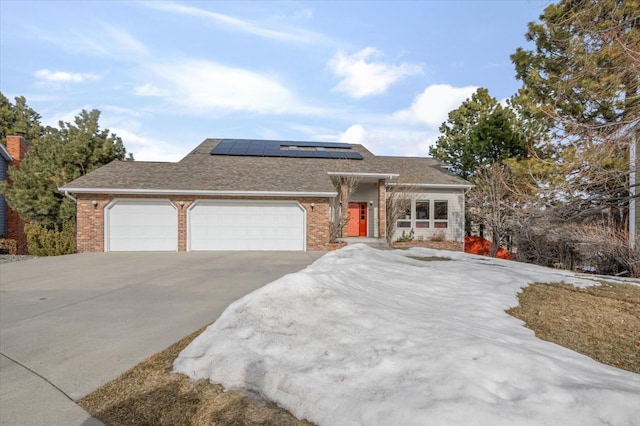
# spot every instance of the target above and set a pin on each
(600, 322)
(149, 394)
(430, 258)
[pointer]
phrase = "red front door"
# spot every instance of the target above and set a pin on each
(357, 225)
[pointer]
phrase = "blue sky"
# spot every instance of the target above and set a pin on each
(166, 75)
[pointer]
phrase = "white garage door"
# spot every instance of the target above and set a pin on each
(141, 225)
(246, 225)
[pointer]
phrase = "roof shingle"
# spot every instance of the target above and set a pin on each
(201, 171)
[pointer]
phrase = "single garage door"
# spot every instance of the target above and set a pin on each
(246, 225)
(141, 225)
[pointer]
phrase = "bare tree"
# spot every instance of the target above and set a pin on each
(398, 202)
(605, 249)
(346, 186)
(491, 202)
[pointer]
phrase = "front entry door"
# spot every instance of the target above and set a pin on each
(357, 225)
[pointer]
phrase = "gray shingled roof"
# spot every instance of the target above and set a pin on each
(5, 154)
(201, 171)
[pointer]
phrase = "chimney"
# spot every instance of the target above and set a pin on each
(17, 147)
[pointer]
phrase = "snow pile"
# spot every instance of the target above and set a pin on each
(370, 337)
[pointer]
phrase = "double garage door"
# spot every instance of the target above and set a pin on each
(152, 225)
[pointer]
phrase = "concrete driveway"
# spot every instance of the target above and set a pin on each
(70, 324)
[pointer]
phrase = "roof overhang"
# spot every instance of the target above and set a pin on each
(434, 185)
(124, 191)
(366, 176)
(5, 154)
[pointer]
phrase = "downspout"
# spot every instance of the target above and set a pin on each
(464, 217)
(66, 194)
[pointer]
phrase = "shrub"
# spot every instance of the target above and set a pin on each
(405, 238)
(42, 241)
(438, 236)
(10, 245)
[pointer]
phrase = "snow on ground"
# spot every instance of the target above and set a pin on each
(371, 337)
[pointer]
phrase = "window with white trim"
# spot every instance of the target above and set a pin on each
(440, 214)
(405, 219)
(422, 213)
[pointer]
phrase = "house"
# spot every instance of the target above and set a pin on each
(11, 225)
(633, 132)
(236, 194)
(5, 159)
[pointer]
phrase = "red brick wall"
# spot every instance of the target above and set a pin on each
(90, 222)
(17, 147)
(90, 219)
(382, 209)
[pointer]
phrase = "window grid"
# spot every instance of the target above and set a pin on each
(420, 215)
(423, 215)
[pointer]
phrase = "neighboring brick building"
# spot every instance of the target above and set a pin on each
(5, 160)
(17, 147)
(260, 195)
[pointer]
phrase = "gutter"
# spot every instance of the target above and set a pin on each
(366, 175)
(124, 191)
(435, 185)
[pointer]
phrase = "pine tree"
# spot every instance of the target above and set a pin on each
(58, 157)
(480, 132)
(18, 118)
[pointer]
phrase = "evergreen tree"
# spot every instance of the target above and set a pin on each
(582, 81)
(18, 117)
(584, 74)
(58, 157)
(480, 132)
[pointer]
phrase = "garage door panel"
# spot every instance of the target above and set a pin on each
(142, 225)
(251, 225)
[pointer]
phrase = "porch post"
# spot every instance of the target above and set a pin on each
(382, 209)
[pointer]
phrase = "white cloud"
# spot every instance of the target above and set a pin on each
(361, 76)
(53, 118)
(240, 25)
(303, 14)
(97, 41)
(59, 77)
(204, 86)
(114, 110)
(147, 149)
(432, 106)
(148, 90)
(389, 140)
(123, 41)
(354, 134)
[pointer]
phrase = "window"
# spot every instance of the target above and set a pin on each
(422, 214)
(440, 214)
(405, 219)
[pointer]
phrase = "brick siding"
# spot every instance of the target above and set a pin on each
(90, 219)
(17, 147)
(382, 209)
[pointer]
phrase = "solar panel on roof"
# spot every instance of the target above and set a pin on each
(261, 148)
(223, 147)
(353, 155)
(256, 149)
(316, 144)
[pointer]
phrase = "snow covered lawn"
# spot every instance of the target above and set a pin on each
(370, 337)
